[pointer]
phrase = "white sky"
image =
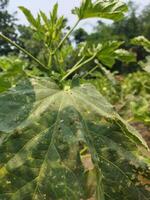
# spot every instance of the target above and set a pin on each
(65, 7)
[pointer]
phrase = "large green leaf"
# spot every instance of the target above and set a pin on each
(126, 174)
(112, 9)
(15, 105)
(40, 154)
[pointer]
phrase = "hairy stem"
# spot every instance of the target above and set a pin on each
(41, 66)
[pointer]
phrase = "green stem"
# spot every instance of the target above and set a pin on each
(41, 66)
(92, 70)
(66, 36)
(78, 63)
(74, 67)
(77, 66)
(50, 59)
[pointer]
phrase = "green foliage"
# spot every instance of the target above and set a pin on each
(12, 71)
(145, 64)
(130, 95)
(7, 27)
(106, 85)
(34, 22)
(108, 52)
(59, 138)
(125, 56)
(27, 40)
(144, 19)
(49, 32)
(141, 40)
(47, 29)
(113, 9)
(45, 138)
(133, 25)
(136, 92)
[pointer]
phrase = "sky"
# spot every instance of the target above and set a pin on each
(65, 7)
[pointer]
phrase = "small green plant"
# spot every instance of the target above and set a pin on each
(60, 139)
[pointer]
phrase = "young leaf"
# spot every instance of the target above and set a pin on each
(29, 16)
(54, 13)
(40, 153)
(45, 19)
(113, 9)
(107, 54)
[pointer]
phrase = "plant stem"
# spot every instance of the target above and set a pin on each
(92, 70)
(73, 67)
(77, 66)
(50, 59)
(41, 66)
(66, 36)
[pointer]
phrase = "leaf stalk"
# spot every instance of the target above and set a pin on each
(41, 66)
(77, 66)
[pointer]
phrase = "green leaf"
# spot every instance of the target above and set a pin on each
(125, 174)
(113, 9)
(17, 101)
(125, 56)
(54, 13)
(141, 41)
(107, 54)
(5, 63)
(45, 18)
(43, 132)
(29, 16)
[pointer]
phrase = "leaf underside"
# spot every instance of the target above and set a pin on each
(43, 131)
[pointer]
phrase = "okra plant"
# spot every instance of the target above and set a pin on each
(59, 138)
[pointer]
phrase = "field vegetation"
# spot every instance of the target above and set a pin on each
(75, 106)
